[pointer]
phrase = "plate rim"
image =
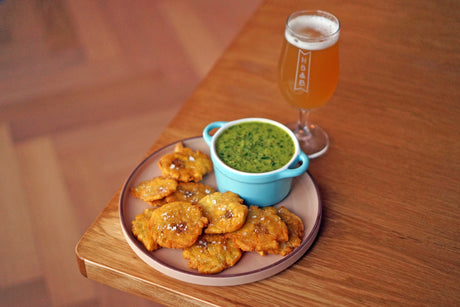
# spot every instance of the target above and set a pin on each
(197, 277)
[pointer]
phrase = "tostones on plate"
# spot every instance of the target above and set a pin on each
(185, 165)
(262, 231)
(225, 212)
(190, 191)
(295, 230)
(141, 230)
(177, 224)
(154, 189)
(212, 254)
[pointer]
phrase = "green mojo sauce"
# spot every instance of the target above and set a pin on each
(255, 147)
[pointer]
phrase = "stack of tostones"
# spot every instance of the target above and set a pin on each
(212, 228)
(262, 231)
(269, 230)
(181, 172)
(213, 252)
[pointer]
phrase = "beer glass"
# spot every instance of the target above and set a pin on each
(309, 71)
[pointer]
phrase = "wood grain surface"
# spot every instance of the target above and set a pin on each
(86, 88)
(389, 182)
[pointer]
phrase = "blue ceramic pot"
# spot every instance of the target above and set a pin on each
(260, 189)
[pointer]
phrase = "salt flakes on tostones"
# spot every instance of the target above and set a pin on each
(212, 254)
(190, 191)
(154, 189)
(263, 231)
(141, 230)
(295, 231)
(177, 224)
(225, 212)
(185, 165)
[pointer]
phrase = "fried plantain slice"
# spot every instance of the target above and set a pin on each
(262, 231)
(185, 165)
(186, 191)
(295, 230)
(141, 230)
(154, 189)
(212, 253)
(177, 224)
(190, 191)
(225, 212)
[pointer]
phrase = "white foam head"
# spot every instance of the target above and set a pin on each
(325, 30)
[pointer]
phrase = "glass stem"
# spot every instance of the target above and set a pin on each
(302, 124)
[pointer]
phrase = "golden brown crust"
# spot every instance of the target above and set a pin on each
(262, 231)
(192, 192)
(212, 228)
(212, 254)
(185, 165)
(154, 189)
(295, 230)
(141, 230)
(177, 224)
(225, 212)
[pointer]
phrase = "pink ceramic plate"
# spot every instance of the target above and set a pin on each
(303, 200)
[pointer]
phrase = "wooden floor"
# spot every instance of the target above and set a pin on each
(85, 88)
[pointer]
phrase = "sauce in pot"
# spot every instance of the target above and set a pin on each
(255, 147)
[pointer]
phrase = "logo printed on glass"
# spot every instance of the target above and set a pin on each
(302, 74)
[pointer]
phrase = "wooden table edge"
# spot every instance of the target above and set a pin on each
(80, 261)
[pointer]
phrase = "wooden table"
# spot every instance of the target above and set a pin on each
(389, 182)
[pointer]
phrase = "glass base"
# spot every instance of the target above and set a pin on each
(314, 141)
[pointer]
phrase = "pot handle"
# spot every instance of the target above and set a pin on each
(300, 169)
(211, 126)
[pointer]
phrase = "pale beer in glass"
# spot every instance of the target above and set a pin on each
(309, 71)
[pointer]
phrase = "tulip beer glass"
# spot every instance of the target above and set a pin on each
(309, 71)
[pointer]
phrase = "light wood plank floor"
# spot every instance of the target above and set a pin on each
(85, 88)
